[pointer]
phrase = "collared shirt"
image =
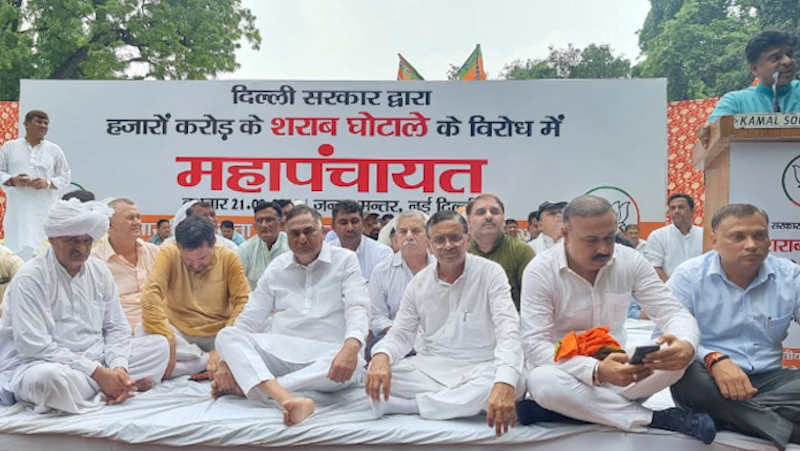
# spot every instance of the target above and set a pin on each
(471, 320)
(749, 324)
(758, 99)
(386, 286)
(513, 256)
(556, 301)
(52, 317)
(26, 206)
(325, 301)
(156, 239)
(641, 245)
(256, 256)
(130, 278)
(198, 304)
(369, 253)
(667, 247)
(237, 238)
(542, 243)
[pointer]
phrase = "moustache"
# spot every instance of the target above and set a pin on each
(76, 254)
(598, 257)
(410, 243)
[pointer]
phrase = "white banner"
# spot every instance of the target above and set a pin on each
(391, 145)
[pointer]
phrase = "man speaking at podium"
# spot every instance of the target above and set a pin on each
(771, 58)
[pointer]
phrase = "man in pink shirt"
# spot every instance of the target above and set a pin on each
(128, 257)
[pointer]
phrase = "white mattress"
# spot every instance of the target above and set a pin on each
(182, 413)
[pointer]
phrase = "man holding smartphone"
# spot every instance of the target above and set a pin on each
(585, 281)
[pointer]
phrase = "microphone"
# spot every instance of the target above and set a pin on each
(775, 107)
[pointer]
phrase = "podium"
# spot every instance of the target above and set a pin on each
(755, 158)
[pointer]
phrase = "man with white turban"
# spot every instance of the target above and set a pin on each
(63, 335)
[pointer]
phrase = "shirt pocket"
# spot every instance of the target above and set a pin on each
(476, 329)
(777, 327)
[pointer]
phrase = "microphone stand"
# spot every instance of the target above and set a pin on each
(775, 106)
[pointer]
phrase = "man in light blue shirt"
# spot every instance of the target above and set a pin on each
(744, 300)
(767, 53)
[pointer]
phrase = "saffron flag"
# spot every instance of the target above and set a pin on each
(472, 69)
(406, 71)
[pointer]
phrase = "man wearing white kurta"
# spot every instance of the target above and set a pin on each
(63, 335)
(585, 281)
(669, 246)
(32, 171)
(348, 223)
(472, 357)
(320, 307)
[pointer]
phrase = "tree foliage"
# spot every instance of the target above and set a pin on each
(105, 39)
(594, 61)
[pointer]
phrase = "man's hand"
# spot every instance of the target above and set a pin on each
(171, 364)
(676, 356)
(615, 370)
(379, 375)
(704, 133)
(115, 384)
(39, 183)
(19, 180)
(213, 364)
(345, 362)
(501, 412)
(732, 382)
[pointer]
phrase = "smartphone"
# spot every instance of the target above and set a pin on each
(642, 351)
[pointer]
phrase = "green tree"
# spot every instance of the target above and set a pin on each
(594, 61)
(106, 39)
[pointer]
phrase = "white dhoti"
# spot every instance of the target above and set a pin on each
(445, 388)
(611, 405)
(191, 352)
(50, 385)
(297, 364)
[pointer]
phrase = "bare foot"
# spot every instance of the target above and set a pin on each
(144, 384)
(219, 389)
(295, 410)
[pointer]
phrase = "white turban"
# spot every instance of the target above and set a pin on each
(73, 218)
(180, 215)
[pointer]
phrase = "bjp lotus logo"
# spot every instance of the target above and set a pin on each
(791, 180)
(623, 203)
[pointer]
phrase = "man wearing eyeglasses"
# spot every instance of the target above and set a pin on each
(471, 361)
(268, 242)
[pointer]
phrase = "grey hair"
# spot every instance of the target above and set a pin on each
(737, 211)
(113, 203)
(411, 214)
(586, 206)
(301, 209)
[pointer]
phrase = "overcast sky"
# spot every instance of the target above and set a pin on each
(360, 39)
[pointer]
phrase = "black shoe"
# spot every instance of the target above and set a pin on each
(529, 412)
(697, 425)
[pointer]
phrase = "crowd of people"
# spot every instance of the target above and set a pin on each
(447, 316)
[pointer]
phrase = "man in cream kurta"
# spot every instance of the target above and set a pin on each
(32, 171)
(63, 336)
(320, 307)
(586, 281)
(471, 359)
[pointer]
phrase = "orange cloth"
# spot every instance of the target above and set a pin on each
(593, 341)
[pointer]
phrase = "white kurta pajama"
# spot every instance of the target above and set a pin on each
(556, 300)
(470, 335)
(26, 206)
(56, 330)
(316, 308)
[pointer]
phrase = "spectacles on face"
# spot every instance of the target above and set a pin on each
(441, 240)
(267, 220)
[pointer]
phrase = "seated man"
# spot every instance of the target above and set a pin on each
(63, 336)
(744, 300)
(163, 231)
(227, 230)
(269, 242)
(584, 282)
(204, 209)
(550, 222)
(348, 224)
(390, 277)
(471, 360)
(319, 304)
(485, 214)
(195, 289)
(128, 257)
